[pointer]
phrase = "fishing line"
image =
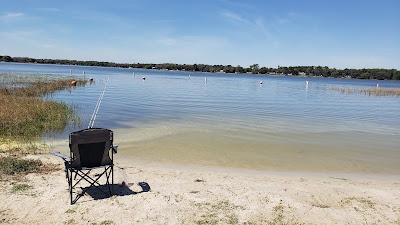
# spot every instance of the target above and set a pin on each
(98, 103)
(93, 119)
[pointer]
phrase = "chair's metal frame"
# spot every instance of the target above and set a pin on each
(83, 173)
(76, 174)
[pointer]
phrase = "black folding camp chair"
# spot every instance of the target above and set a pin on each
(90, 149)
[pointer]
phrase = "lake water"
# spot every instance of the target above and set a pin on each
(231, 120)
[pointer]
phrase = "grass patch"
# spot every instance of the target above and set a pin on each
(222, 212)
(10, 165)
(278, 215)
(106, 222)
(369, 91)
(70, 211)
(20, 188)
(25, 114)
(70, 222)
(358, 202)
(15, 148)
(320, 205)
(281, 216)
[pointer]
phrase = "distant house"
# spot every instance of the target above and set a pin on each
(302, 73)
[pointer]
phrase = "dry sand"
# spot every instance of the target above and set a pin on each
(204, 195)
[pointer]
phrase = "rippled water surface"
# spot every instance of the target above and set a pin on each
(233, 121)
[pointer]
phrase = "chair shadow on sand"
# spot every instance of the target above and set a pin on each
(118, 190)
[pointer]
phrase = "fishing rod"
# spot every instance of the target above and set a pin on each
(98, 103)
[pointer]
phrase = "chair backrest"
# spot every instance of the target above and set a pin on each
(90, 147)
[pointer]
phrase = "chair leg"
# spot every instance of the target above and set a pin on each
(70, 185)
(112, 178)
(108, 179)
(108, 171)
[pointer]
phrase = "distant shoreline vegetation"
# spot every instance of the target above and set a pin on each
(323, 71)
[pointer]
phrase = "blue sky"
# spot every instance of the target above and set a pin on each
(352, 34)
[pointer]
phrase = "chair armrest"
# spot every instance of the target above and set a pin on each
(62, 156)
(114, 149)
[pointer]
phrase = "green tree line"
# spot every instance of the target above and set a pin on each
(324, 71)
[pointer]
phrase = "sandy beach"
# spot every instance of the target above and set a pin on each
(171, 194)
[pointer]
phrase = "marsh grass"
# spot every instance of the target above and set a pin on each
(369, 91)
(25, 113)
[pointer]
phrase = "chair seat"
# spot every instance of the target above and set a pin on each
(89, 168)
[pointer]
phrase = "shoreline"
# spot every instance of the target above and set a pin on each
(169, 157)
(252, 172)
(130, 159)
(193, 145)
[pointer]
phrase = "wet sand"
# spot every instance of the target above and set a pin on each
(196, 144)
(269, 150)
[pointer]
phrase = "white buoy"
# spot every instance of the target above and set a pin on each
(189, 76)
(306, 84)
(377, 85)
